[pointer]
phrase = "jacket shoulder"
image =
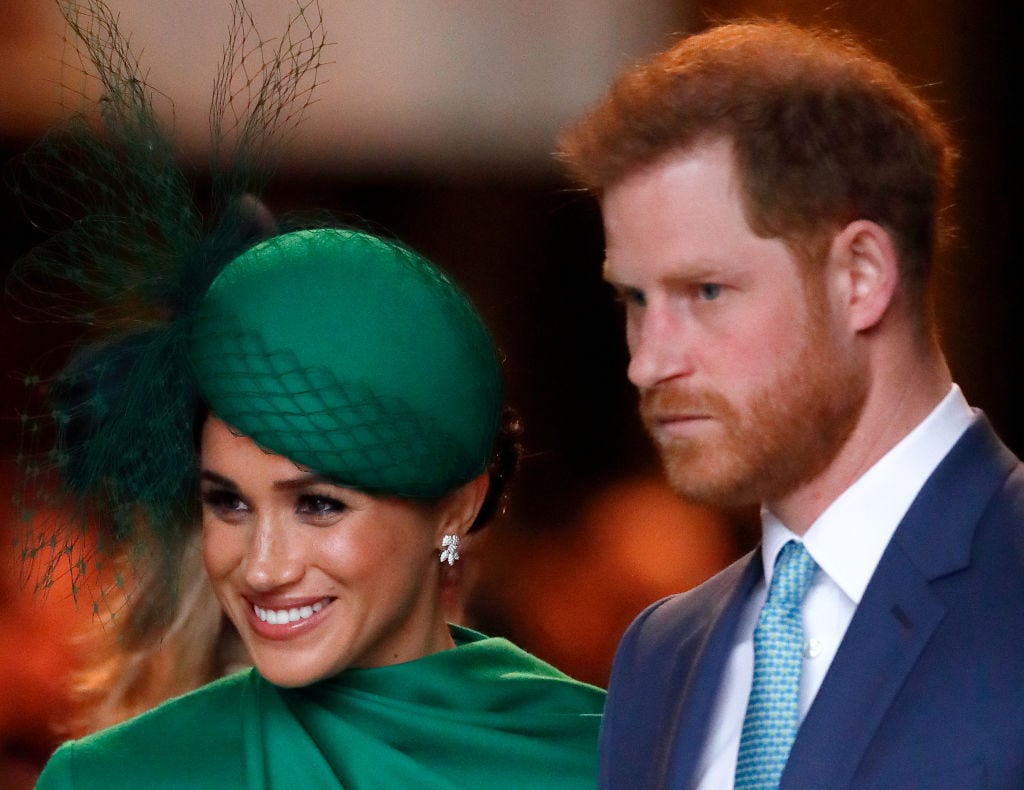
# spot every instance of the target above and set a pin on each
(678, 618)
(657, 661)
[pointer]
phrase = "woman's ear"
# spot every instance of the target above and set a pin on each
(866, 261)
(460, 507)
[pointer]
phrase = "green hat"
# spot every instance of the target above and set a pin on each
(352, 356)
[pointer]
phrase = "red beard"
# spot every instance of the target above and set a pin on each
(781, 434)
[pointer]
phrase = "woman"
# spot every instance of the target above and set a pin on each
(354, 399)
(332, 403)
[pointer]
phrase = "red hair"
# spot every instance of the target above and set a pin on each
(823, 134)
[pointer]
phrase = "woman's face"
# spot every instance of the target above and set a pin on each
(316, 577)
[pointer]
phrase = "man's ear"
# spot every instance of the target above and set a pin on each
(865, 259)
(460, 507)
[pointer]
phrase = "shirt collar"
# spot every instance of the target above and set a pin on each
(848, 539)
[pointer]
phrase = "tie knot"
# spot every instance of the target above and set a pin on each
(794, 571)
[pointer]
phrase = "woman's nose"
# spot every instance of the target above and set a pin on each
(272, 560)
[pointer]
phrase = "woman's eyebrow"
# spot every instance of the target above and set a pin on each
(303, 482)
(286, 485)
(220, 480)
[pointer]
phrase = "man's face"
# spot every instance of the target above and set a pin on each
(748, 383)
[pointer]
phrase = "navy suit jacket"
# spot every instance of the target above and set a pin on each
(927, 687)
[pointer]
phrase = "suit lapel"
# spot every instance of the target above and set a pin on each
(700, 664)
(898, 614)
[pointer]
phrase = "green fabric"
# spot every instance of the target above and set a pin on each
(483, 715)
(352, 356)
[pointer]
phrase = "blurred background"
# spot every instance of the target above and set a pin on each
(435, 124)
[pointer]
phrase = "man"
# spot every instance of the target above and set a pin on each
(771, 200)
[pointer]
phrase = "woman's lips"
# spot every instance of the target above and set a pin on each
(284, 620)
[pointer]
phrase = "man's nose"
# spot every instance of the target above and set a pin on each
(658, 347)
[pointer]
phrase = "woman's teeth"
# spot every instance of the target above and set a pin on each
(293, 615)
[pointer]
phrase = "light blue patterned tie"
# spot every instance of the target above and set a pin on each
(770, 724)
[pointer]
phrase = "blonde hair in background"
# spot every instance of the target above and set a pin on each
(157, 645)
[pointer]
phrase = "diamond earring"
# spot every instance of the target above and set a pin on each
(450, 552)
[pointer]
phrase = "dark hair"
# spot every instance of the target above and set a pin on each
(823, 134)
(508, 450)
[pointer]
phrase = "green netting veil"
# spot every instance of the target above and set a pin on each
(352, 356)
(108, 451)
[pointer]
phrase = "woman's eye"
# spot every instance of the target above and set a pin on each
(709, 291)
(223, 501)
(319, 506)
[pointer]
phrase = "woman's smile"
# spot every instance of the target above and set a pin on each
(287, 622)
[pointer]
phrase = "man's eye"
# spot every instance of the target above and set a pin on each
(631, 297)
(709, 291)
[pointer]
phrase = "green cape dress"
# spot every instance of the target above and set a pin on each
(482, 715)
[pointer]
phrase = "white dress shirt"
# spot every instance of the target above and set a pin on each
(847, 542)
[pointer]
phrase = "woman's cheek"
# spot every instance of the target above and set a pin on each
(223, 548)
